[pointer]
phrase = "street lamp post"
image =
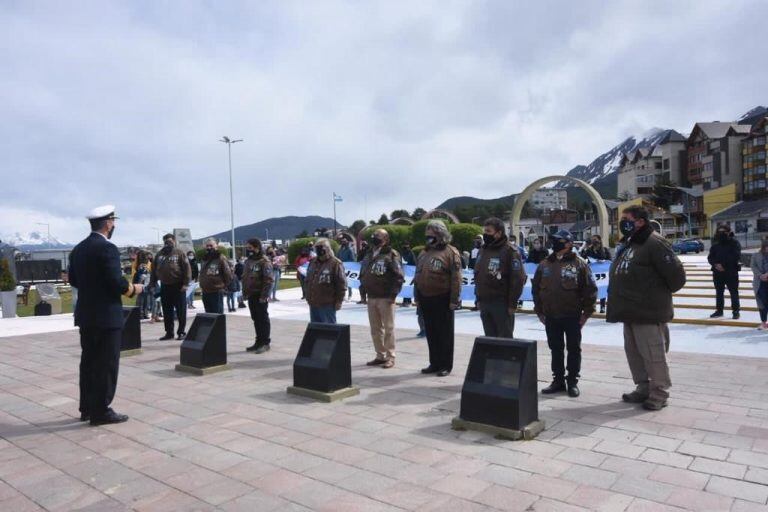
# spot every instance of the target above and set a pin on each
(226, 140)
(157, 230)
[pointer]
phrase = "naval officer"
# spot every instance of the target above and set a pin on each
(95, 271)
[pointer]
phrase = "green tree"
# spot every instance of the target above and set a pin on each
(7, 282)
(418, 213)
(398, 235)
(296, 246)
(303, 234)
(464, 235)
(396, 214)
(383, 220)
(356, 226)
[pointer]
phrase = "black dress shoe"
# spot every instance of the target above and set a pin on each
(85, 416)
(109, 418)
(573, 390)
(429, 369)
(181, 335)
(716, 314)
(443, 373)
(736, 315)
(253, 348)
(557, 386)
(166, 337)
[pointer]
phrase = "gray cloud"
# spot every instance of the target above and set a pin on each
(390, 104)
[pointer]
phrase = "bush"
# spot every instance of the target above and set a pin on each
(296, 246)
(7, 281)
(398, 235)
(464, 235)
(200, 253)
(417, 250)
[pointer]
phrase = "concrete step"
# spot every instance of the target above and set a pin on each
(748, 319)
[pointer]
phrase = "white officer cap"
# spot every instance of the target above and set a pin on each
(102, 212)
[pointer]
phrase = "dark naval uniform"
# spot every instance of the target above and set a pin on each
(95, 271)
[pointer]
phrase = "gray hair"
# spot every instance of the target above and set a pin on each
(211, 240)
(327, 244)
(441, 231)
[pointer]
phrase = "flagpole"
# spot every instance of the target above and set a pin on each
(334, 215)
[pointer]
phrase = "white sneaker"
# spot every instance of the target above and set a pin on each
(763, 326)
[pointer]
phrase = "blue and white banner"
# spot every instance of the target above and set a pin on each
(599, 269)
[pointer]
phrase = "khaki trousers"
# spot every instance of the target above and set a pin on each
(646, 346)
(381, 316)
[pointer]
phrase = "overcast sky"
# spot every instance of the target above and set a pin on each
(389, 104)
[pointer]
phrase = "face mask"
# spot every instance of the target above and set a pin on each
(168, 243)
(250, 253)
(558, 245)
(431, 240)
(537, 246)
(488, 239)
(626, 227)
(596, 243)
(478, 243)
(210, 251)
(320, 250)
(376, 241)
(190, 257)
(722, 237)
(111, 230)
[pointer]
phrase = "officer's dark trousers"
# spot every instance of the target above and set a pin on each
(213, 302)
(260, 316)
(564, 333)
(497, 322)
(723, 280)
(99, 364)
(172, 298)
(438, 325)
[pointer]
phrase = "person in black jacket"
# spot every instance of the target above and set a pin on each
(538, 252)
(597, 251)
(94, 269)
(725, 258)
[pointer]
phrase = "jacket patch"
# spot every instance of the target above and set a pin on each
(212, 269)
(325, 277)
(436, 264)
(379, 268)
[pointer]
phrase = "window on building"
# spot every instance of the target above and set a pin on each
(666, 163)
(762, 225)
(740, 226)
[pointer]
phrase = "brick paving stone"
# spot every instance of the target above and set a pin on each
(546, 486)
(699, 500)
(643, 505)
(504, 498)
(680, 477)
(593, 477)
(716, 467)
(704, 450)
(410, 497)
(619, 449)
(599, 500)
(738, 489)
(666, 458)
(657, 442)
(757, 475)
(643, 488)
(749, 458)
(747, 506)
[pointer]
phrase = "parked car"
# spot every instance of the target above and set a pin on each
(686, 245)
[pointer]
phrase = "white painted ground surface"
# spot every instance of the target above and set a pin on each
(685, 338)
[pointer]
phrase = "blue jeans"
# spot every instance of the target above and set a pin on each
(276, 273)
(323, 314)
(231, 300)
(191, 292)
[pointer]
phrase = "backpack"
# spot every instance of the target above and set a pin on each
(43, 309)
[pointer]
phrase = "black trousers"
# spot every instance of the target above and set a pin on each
(213, 302)
(99, 364)
(723, 280)
(564, 333)
(260, 316)
(172, 298)
(497, 322)
(438, 325)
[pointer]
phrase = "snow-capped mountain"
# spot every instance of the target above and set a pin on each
(608, 163)
(34, 240)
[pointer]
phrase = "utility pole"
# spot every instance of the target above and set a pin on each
(49, 230)
(229, 143)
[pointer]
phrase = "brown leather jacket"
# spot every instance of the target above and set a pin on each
(257, 277)
(564, 287)
(171, 268)
(438, 272)
(326, 282)
(499, 274)
(382, 275)
(215, 274)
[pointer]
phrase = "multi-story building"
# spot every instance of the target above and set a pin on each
(753, 152)
(641, 170)
(714, 154)
(546, 199)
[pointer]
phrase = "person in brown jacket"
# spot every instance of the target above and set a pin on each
(564, 296)
(381, 273)
(257, 284)
(215, 276)
(326, 284)
(499, 280)
(172, 269)
(437, 289)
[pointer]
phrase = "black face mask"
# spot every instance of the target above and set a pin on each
(210, 251)
(111, 231)
(488, 239)
(722, 237)
(558, 244)
(478, 244)
(431, 240)
(320, 250)
(376, 241)
(626, 227)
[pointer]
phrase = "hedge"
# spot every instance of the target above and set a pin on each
(398, 235)
(464, 235)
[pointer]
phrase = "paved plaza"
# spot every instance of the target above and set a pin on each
(236, 440)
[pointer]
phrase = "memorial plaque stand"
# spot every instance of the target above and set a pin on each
(130, 344)
(500, 395)
(322, 369)
(204, 349)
